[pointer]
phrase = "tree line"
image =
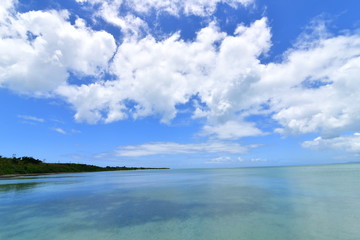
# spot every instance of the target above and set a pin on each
(30, 165)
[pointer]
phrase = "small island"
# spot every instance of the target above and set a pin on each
(25, 166)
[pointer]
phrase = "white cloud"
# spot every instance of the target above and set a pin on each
(169, 148)
(348, 143)
(174, 7)
(227, 159)
(314, 89)
(60, 130)
(38, 48)
(189, 7)
(232, 130)
(6, 6)
(31, 118)
(159, 75)
(132, 23)
(220, 160)
(155, 75)
(253, 160)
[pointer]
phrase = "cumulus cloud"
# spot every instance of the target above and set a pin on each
(166, 148)
(348, 143)
(156, 76)
(314, 89)
(39, 48)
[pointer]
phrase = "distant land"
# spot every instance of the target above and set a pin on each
(14, 166)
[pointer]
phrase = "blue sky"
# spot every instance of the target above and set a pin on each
(180, 84)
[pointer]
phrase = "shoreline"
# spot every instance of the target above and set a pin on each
(31, 174)
(40, 174)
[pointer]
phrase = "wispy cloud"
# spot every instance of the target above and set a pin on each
(170, 148)
(31, 118)
(241, 159)
(232, 130)
(60, 130)
(219, 160)
(227, 159)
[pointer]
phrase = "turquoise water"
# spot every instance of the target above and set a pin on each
(317, 202)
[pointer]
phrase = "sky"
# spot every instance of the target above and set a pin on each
(180, 83)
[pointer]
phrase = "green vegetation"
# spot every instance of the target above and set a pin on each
(30, 165)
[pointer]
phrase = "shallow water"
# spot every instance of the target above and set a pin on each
(312, 202)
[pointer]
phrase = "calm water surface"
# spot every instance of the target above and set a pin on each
(317, 202)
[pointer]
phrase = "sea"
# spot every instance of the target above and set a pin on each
(263, 203)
